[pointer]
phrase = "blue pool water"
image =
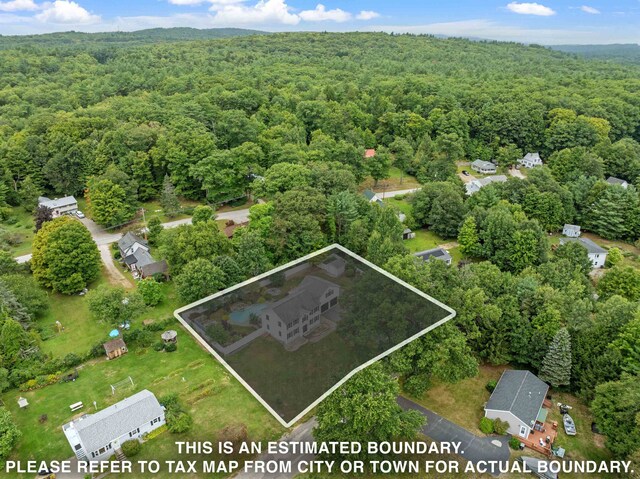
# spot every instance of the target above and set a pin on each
(242, 317)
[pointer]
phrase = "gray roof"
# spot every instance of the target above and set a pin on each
(612, 180)
(142, 258)
(483, 164)
(99, 429)
(370, 195)
(572, 227)
(521, 393)
(57, 202)
(531, 157)
(437, 253)
(592, 248)
(128, 240)
(304, 297)
(154, 268)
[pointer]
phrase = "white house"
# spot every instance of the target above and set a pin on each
(96, 437)
(531, 160)
(518, 399)
(435, 253)
(484, 167)
(59, 206)
(612, 180)
(597, 254)
(299, 312)
(476, 185)
(571, 231)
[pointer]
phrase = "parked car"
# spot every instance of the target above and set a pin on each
(80, 214)
(569, 425)
(465, 172)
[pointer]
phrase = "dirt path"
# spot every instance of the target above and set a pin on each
(116, 277)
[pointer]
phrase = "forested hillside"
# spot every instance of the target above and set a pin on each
(287, 117)
(624, 53)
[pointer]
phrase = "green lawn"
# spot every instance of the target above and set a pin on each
(23, 228)
(402, 204)
(213, 397)
(392, 183)
(424, 239)
(463, 403)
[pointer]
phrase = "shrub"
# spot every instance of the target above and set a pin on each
(500, 427)
(171, 347)
(179, 422)
(159, 346)
(151, 291)
(131, 448)
(417, 384)
(491, 385)
(486, 425)
(514, 443)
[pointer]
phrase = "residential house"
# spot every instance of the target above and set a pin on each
(115, 348)
(369, 153)
(571, 231)
(59, 206)
(334, 265)
(435, 253)
(484, 167)
(519, 400)
(531, 160)
(612, 180)
(597, 254)
(299, 312)
(134, 252)
(476, 185)
(130, 243)
(372, 197)
(98, 436)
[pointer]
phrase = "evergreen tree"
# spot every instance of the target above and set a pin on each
(556, 365)
(168, 198)
(468, 238)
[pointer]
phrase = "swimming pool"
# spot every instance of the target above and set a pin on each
(242, 317)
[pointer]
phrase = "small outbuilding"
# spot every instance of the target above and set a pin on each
(407, 234)
(571, 231)
(115, 348)
(22, 402)
(169, 337)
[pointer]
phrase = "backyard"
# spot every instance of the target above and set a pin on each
(395, 181)
(463, 403)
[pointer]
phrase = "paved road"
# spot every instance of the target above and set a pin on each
(475, 449)
(302, 433)
(391, 194)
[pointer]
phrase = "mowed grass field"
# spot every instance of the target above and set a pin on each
(212, 396)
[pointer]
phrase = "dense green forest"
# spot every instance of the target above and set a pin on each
(287, 117)
(625, 53)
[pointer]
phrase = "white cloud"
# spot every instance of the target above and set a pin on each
(367, 15)
(530, 9)
(262, 13)
(588, 9)
(18, 5)
(321, 14)
(66, 12)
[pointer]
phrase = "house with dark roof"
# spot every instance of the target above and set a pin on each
(59, 206)
(597, 254)
(129, 243)
(96, 437)
(299, 311)
(612, 180)
(484, 167)
(519, 399)
(435, 253)
(372, 197)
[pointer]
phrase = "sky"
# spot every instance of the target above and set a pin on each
(547, 22)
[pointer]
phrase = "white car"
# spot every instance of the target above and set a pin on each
(79, 214)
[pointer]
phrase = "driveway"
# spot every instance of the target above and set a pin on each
(116, 277)
(302, 433)
(474, 449)
(516, 173)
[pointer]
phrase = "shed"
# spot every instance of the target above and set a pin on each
(170, 336)
(115, 348)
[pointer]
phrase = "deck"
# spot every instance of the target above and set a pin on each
(533, 441)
